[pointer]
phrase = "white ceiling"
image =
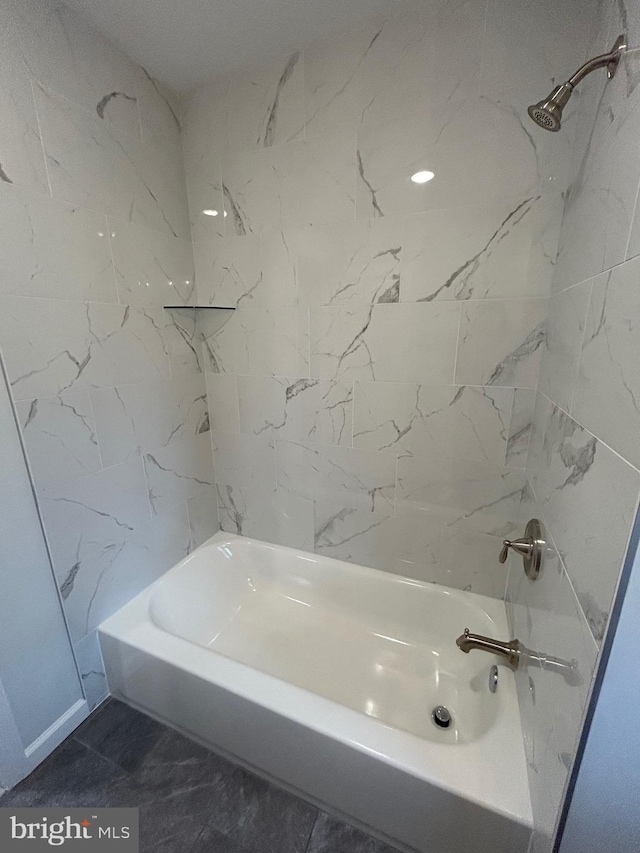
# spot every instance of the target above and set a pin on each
(182, 42)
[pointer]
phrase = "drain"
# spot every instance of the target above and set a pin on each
(441, 717)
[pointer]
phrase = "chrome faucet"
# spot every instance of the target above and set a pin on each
(511, 651)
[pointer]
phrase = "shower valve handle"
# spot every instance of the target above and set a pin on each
(531, 548)
(524, 547)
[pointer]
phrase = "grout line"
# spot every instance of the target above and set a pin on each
(313, 826)
(94, 751)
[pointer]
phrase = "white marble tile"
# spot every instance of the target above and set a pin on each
(349, 530)
(563, 342)
(502, 248)
(21, 155)
(468, 560)
(314, 471)
(91, 514)
(204, 141)
(548, 620)
(305, 182)
(51, 346)
(159, 110)
(93, 165)
(588, 498)
(278, 517)
(398, 343)
(623, 184)
(357, 263)
(180, 329)
(279, 269)
(248, 271)
(222, 399)
(60, 437)
(245, 461)
(160, 199)
(456, 422)
(526, 160)
(582, 237)
(500, 342)
(266, 107)
(181, 470)
(541, 411)
(152, 268)
(53, 250)
(258, 341)
(92, 670)
(114, 575)
(65, 54)
(229, 271)
(299, 409)
(520, 427)
(204, 125)
(598, 230)
(467, 494)
(624, 17)
(387, 68)
(335, 75)
(607, 387)
(134, 419)
(203, 517)
(453, 144)
(543, 55)
(206, 202)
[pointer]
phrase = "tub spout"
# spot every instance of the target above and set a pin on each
(509, 651)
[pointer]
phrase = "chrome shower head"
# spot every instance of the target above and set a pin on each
(547, 114)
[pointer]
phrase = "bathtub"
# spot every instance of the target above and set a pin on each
(322, 676)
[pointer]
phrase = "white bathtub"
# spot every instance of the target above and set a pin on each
(323, 675)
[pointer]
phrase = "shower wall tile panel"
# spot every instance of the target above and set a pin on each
(372, 397)
(584, 457)
(96, 238)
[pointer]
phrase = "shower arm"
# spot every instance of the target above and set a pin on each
(605, 60)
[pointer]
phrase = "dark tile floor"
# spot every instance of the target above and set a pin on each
(190, 800)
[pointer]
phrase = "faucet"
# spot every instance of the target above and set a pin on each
(519, 656)
(510, 651)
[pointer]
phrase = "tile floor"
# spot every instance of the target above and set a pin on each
(190, 800)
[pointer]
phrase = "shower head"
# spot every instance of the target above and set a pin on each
(547, 114)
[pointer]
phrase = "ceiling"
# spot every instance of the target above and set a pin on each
(182, 42)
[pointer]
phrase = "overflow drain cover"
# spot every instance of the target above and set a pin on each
(441, 717)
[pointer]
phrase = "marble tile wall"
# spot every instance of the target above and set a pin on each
(583, 473)
(109, 388)
(371, 397)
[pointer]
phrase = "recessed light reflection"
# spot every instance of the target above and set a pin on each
(422, 177)
(210, 212)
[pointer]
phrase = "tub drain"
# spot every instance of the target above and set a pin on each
(441, 717)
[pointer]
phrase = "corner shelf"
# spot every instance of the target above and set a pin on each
(202, 307)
